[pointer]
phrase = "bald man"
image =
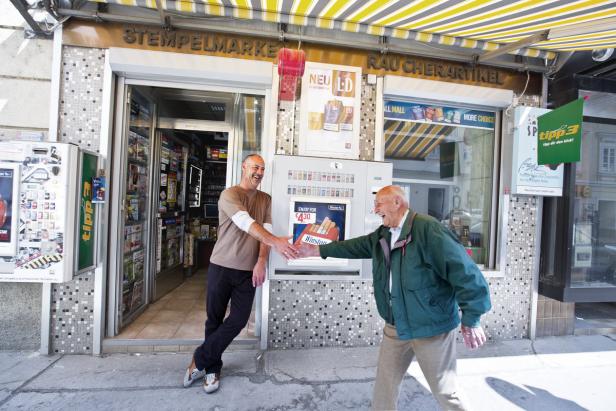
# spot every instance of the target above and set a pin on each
(422, 274)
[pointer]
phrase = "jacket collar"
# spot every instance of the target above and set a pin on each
(408, 224)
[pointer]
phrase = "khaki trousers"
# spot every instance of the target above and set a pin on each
(437, 359)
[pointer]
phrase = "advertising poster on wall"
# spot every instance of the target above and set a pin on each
(434, 113)
(528, 177)
(319, 221)
(9, 179)
(330, 110)
(87, 214)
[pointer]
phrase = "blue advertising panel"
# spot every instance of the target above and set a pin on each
(318, 222)
(431, 113)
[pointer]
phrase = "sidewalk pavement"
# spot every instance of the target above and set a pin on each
(558, 373)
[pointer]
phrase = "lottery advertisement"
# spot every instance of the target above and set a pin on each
(318, 222)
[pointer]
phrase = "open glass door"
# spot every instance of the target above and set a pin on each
(131, 214)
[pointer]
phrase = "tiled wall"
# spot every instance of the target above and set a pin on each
(307, 314)
(81, 90)
(511, 293)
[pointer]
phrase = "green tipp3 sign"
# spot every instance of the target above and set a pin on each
(560, 134)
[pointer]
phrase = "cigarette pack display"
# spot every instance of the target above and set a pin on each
(333, 115)
(346, 123)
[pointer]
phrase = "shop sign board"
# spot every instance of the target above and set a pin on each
(87, 213)
(430, 113)
(528, 177)
(560, 134)
(330, 111)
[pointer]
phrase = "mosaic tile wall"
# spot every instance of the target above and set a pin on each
(287, 136)
(306, 314)
(81, 96)
(81, 90)
(511, 294)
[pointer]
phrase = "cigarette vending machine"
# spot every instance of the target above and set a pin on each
(38, 211)
(320, 200)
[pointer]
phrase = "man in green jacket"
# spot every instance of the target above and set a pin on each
(421, 274)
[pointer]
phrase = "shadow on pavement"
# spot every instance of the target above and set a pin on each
(531, 398)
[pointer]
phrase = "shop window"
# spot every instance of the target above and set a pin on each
(594, 210)
(578, 249)
(443, 157)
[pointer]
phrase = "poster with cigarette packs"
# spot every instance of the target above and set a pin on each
(318, 221)
(329, 123)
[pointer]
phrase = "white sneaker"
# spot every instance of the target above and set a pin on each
(211, 382)
(192, 375)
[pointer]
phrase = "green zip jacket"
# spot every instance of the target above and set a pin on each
(431, 276)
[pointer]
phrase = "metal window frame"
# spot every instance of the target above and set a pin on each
(496, 227)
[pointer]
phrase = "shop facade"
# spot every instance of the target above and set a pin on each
(577, 273)
(442, 127)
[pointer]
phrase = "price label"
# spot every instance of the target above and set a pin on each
(305, 218)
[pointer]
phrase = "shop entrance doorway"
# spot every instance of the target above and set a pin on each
(175, 150)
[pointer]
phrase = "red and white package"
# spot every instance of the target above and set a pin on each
(319, 234)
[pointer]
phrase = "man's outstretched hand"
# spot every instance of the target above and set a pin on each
(307, 250)
(284, 247)
(474, 337)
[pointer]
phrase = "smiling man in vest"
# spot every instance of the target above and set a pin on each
(422, 275)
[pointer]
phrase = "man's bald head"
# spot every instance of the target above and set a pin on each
(394, 192)
(391, 204)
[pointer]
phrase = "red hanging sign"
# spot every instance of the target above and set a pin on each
(291, 64)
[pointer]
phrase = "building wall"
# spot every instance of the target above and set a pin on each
(81, 91)
(333, 313)
(302, 313)
(25, 83)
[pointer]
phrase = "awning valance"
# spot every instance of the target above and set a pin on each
(479, 24)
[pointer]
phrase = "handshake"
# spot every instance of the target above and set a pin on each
(311, 237)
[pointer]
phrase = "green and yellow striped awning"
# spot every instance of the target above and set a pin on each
(477, 24)
(411, 140)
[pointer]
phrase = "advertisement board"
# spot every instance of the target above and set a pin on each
(560, 134)
(439, 114)
(330, 110)
(317, 221)
(9, 210)
(87, 213)
(528, 177)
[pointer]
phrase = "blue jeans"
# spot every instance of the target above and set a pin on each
(224, 285)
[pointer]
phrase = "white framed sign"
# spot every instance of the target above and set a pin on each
(527, 176)
(330, 111)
